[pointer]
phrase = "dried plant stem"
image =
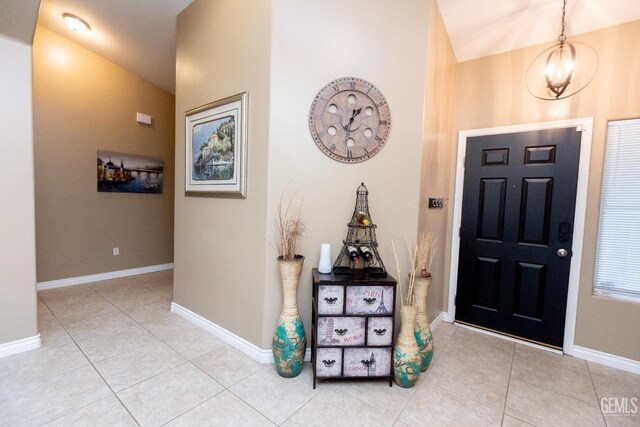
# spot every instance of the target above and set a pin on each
(426, 249)
(395, 257)
(288, 227)
(412, 280)
(413, 255)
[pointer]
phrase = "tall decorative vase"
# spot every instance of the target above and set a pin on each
(422, 328)
(406, 354)
(289, 342)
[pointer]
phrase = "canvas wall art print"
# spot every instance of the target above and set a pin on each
(216, 147)
(129, 173)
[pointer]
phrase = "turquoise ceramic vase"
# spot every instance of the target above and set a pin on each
(406, 354)
(289, 342)
(422, 329)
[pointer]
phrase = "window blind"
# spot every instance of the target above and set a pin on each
(618, 251)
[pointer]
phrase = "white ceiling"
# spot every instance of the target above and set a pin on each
(140, 34)
(479, 28)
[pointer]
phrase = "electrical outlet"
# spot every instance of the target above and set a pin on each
(116, 251)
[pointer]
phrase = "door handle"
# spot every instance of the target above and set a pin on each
(563, 253)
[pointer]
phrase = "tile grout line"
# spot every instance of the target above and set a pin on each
(426, 373)
(595, 390)
(506, 395)
(92, 364)
(305, 404)
(204, 401)
(459, 395)
(250, 405)
(95, 369)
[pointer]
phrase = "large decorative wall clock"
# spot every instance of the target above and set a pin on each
(350, 120)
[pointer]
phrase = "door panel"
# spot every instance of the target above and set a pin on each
(519, 191)
(535, 210)
(491, 212)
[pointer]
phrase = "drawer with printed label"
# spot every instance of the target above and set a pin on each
(370, 300)
(329, 362)
(367, 362)
(330, 299)
(341, 331)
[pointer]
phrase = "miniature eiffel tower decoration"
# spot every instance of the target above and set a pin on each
(381, 308)
(360, 249)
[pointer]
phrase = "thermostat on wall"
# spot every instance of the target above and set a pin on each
(143, 118)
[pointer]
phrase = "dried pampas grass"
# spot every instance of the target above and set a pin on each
(288, 226)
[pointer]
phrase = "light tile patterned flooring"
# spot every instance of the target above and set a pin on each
(114, 355)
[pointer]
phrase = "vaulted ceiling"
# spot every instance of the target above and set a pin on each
(140, 34)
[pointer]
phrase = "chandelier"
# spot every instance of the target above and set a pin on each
(562, 70)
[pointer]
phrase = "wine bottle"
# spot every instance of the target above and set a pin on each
(361, 218)
(353, 254)
(367, 254)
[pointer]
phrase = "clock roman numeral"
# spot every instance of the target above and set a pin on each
(321, 134)
(378, 138)
(349, 154)
(379, 104)
(333, 148)
(352, 85)
(365, 150)
(383, 122)
(336, 88)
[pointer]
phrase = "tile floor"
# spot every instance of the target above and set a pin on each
(114, 355)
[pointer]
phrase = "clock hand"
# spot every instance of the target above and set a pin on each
(353, 116)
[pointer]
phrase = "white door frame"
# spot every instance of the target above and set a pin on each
(586, 126)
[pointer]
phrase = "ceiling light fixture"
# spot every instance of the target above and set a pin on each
(563, 74)
(76, 23)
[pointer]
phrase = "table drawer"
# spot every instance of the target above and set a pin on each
(367, 362)
(341, 331)
(370, 300)
(380, 331)
(330, 299)
(329, 362)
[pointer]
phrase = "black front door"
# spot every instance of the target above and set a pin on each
(516, 232)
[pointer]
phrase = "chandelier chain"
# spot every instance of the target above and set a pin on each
(562, 38)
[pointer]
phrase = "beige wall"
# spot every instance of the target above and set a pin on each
(438, 149)
(490, 92)
(313, 43)
(225, 267)
(17, 228)
(84, 103)
(223, 49)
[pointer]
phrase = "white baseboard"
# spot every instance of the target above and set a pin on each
(438, 319)
(81, 280)
(18, 346)
(607, 359)
(448, 317)
(253, 351)
(578, 352)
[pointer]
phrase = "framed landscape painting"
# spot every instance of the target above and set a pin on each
(216, 148)
(129, 173)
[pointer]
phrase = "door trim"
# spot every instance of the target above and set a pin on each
(586, 125)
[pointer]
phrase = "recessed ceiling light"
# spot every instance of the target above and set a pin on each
(75, 23)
